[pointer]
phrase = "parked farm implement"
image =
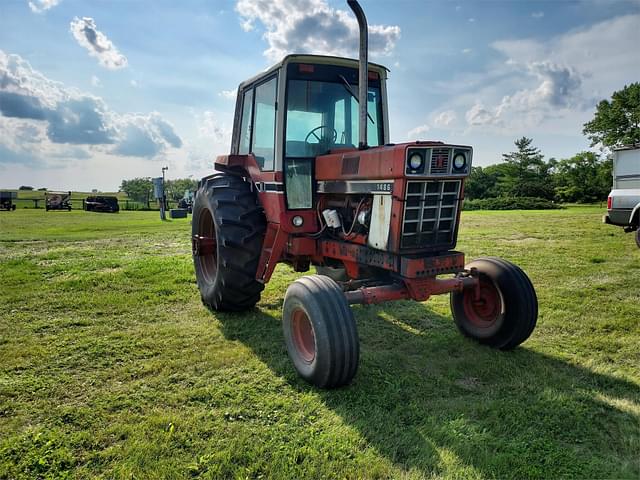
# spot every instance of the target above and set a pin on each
(57, 201)
(313, 180)
(101, 203)
(6, 201)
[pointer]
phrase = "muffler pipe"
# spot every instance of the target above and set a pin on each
(363, 70)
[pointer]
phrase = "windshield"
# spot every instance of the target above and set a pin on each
(323, 115)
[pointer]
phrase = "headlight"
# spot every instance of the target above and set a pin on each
(459, 161)
(415, 161)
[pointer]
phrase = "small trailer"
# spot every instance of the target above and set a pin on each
(57, 201)
(6, 200)
(102, 203)
(623, 204)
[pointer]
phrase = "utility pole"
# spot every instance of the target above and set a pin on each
(163, 205)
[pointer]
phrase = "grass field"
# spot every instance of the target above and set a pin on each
(110, 366)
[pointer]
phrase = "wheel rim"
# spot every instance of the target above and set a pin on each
(485, 312)
(304, 337)
(208, 261)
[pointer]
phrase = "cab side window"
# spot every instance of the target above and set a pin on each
(245, 125)
(264, 129)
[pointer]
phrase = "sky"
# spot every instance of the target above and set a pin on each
(92, 93)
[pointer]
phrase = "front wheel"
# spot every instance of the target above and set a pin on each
(504, 313)
(320, 332)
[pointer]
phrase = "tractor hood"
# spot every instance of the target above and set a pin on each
(392, 161)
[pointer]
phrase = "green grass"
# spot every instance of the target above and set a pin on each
(110, 366)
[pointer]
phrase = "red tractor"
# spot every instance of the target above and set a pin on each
(313, 180)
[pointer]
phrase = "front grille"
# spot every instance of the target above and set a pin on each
(430, 213)
(439, 160)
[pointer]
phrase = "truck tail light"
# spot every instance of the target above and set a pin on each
(609, 203)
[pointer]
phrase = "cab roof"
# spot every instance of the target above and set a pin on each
(303, 58)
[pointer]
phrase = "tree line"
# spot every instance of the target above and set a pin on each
(583, 178)
(141, 189)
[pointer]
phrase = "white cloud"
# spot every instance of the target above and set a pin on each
(415, 133)
(311, 26)
(445, 118)
(133, 83)
(605, 53)
(466, 50)
(537, 15)
(145, 135)
(39, 6)
(557, 88)
(40, 116)
(479, 115)
(95, 81)
(97, 44)
(211, 128)
(553, 82)
(471, 20)
(228, 94)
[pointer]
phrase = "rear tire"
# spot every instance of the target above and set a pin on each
(320, 332)
(226, 210)
(507, 311)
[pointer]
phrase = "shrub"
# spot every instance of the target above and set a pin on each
(510, 203)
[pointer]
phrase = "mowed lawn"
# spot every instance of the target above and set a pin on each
(111, 367)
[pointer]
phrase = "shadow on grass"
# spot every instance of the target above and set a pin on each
(434, 402)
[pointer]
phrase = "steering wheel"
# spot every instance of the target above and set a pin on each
(321, 138)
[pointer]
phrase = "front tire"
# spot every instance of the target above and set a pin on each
(320, 332)
(227, 215)
(507, 311)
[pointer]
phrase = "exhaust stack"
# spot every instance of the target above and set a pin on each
(363, 71)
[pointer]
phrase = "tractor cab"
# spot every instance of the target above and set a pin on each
(304, 107)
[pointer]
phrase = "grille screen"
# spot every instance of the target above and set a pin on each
(439, 160)
(430, 213)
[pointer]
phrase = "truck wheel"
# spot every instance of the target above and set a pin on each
(228, 229)
(320, 332)
(507, 311)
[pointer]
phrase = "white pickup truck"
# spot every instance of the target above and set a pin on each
(623, 204)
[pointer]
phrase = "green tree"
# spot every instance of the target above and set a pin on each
(526, 174)
(25, 187)
(616, 122)
(138, 189)
(175, 188)
(485, 182)
(583, 178)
